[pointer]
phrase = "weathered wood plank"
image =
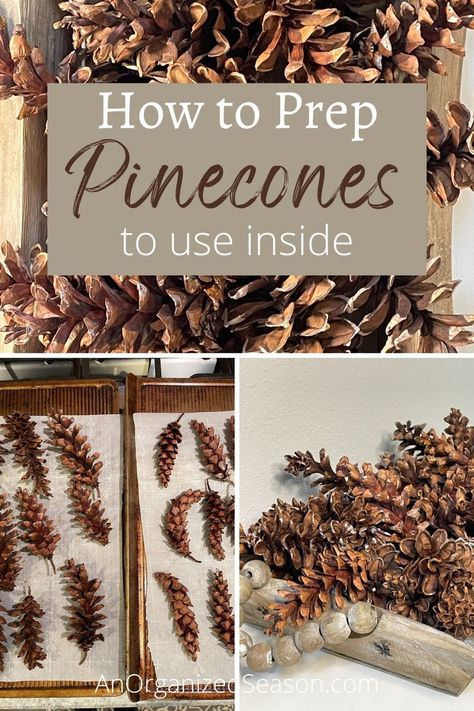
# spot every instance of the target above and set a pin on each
(398, 645)
(23, 146)
(439, 219)
(23, 143)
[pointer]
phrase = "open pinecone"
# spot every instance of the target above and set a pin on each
(401, 39)
(399, 534)
(266, 313)
(450, 151)
(23, 71)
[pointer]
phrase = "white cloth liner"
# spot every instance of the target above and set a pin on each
(172, 663)
(104, 562)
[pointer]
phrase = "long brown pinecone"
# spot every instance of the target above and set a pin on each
(176, 521)
(212, 450)
(221, 610)
(76, 450)
(38, 530)
(167, 449)
(20, 429)
(3, 637)
(9, 555)
(28, 635)
(89, 514)
(215, 511)
(85, 618)
(450, 153)
(185, 624)
(295, 314)
(85, 471)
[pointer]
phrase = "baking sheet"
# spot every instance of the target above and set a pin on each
(107, 658)
(173, 666)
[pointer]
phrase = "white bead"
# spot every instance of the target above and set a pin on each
(308, 638)
(334, 628)
(245, 642)
(257, 572)
(245, 589)
(259, 657)
(285, 651)
(362, 618)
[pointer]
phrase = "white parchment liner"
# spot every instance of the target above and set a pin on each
(103, 562)
(172, 663)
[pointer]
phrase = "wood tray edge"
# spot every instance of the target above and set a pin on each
(59, 689)
(140, 661)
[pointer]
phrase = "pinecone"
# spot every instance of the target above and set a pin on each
(38, 530)
(221, 610)
(85, 467)
(300, 42)
(404, 598)
(450, 153)
(85, 619)
(176, 314)
(167, 449)
(176, 521)
(23, 71)
(3, 637)
(400, 40)
(20, 429)
(185, 625)
(215, 511)
(454, 612)
(286, 536)
(89, 515)
(9, 555)
(28, 636)
(212, 450)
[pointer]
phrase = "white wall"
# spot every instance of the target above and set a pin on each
(348, 406)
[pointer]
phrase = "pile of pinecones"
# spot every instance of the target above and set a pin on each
(241, 41)
(400, 534)
(296, 314)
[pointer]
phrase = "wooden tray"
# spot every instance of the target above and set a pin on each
(158, 395)
(85, 397)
